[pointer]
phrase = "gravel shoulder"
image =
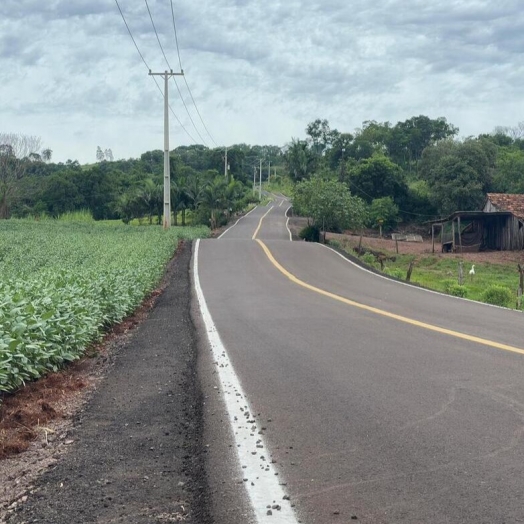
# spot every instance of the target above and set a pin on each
(134, 452)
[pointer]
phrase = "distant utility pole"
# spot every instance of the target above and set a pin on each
(254, 178)
(225, 165)
(260, 182)
(269, 172)
(167, 178)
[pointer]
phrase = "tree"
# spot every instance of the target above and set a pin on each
(213, 199)
(60, 195)
(329, 204)
(407, 140)
(377, 177)
(459, 173)
(108, 154)
(509, 171)
(99, 154)
(128, 206)
(151, 197)
(15, 151)
(515, 132)
(320, 136)
(300, 160)
(47, 154)
(384, 213)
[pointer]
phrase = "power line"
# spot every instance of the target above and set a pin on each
(149, 69)
(185, 79)
(168, 64)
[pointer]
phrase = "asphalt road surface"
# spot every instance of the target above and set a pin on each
(358, 398)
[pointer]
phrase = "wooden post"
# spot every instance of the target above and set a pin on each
(453, 236)
(396, 244)
(410, 269)
(432, 238)
(360, 244)
(521, 286)
(461, 273)
(460, 234)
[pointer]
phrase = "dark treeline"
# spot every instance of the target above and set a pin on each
(414, 170)
(127, 189)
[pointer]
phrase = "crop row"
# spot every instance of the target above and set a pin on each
(62, 285)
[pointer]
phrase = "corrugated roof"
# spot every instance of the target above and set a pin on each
(514, 203)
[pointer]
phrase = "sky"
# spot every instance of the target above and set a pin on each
(258, 70)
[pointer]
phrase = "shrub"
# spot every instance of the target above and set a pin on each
(498, 296)
(368, 258)
(457, 290)
(310, 234)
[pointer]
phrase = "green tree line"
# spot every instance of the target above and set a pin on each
(414, 170)
(32, 185)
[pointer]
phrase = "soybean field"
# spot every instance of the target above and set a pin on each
(63, 284)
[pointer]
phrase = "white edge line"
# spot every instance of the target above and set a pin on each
(287, 224)
(236, 223)
(258, 473)
(412, 286)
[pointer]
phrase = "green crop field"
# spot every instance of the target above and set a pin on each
(63, 283)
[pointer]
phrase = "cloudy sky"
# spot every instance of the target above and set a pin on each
(259, 70)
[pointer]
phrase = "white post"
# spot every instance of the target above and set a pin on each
(167, 174)
(260, 182)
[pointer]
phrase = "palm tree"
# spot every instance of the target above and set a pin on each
(149, 196)
(193, 190)
(213, 198)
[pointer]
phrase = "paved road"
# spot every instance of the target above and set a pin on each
(381, 402)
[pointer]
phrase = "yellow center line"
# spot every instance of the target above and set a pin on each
(260, 224)
(384, 313)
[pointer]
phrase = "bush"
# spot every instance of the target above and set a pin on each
(457, 290)
(368, 258)
(310, 234)
(498, 296)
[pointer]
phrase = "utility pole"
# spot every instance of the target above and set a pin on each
(254, 178)
(260, 182)
(269, 172)
(167, 175)
(225, 165)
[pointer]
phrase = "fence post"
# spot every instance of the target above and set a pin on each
(410, 269)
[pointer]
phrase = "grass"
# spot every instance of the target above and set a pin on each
(441, 274)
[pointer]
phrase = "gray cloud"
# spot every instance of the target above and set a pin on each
(285, 62)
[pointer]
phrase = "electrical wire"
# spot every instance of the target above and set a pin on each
(149, 69)
(185, 79)
(169, 65)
